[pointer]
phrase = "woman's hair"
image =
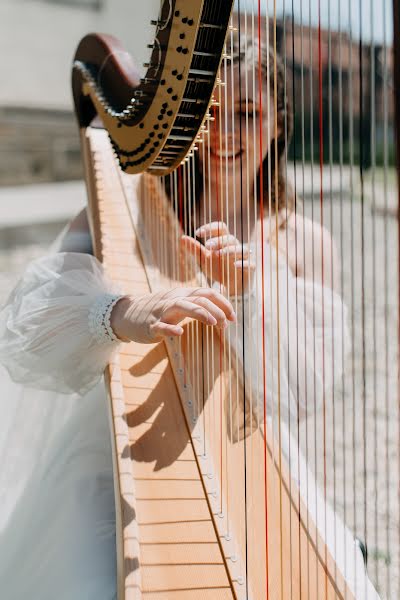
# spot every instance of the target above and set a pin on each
(243, 48)
(273, 163)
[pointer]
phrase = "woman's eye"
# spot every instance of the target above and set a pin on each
(249, 113)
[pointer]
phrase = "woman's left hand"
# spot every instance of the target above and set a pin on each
(222, 257)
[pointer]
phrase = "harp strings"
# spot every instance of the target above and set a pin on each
(232, 409)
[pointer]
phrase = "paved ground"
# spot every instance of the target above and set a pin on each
(362, 421)
(40, 203)
(362, 450)
(30, 218)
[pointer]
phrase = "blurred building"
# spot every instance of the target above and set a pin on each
(356, 84)
(38, 134)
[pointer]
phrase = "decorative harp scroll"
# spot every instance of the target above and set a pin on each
(231, 447)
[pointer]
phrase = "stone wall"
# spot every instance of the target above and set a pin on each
(38, 145)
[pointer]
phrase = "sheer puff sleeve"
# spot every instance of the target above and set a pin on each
(54, 328)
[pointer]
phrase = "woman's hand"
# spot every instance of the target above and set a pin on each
(152, 317)
(222, 258)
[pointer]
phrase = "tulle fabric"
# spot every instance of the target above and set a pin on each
(57, 530)
(57, 518)
(44, 337)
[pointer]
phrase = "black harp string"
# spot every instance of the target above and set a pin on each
(198, 328)
(277, 284)
(229, 348)
(321, 207)
(192, 274)
(265, 382)
(269, 378)
(246, 239)
(352, 270)
(296, 308)
(313, 270)
(332, 286)
(233, 175)
(386, 289)
(374, 289)
(242, 304)
(251, 225)
(269, 238)
(396, 99)
(270, 248)
(210, 333)
(342, 316)
(287, 303)
(305, 274)
(363, 274)
(204, 341)
(224, 333)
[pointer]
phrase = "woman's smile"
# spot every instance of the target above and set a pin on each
(231, 155)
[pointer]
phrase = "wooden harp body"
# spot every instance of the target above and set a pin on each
(214, 499)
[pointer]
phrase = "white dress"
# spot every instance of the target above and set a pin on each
(57, 517)
(57, 521)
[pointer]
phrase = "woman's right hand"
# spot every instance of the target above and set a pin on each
(152, 317)
(223, 255)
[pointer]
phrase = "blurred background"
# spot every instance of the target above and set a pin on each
(40, 164)
(41, 184)
(41, 188)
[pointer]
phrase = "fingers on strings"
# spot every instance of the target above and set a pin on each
(204, 305)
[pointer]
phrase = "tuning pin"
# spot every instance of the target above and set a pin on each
(232, 28)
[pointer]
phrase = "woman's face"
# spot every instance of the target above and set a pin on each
(240, 122)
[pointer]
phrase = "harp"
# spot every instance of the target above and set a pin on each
(233, 480)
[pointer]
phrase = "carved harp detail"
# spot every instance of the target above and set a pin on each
(216, 496)
(153, 123)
